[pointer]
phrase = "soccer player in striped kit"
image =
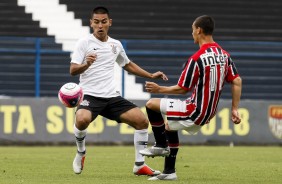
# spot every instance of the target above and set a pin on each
(93, 59)
(204, 74)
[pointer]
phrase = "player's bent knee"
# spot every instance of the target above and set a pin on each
(142, 123)
(82, 124)
(82, 120)
(141, 126)
(153, 104)
(150, 104)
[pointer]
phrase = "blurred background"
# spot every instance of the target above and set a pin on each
(37, 38)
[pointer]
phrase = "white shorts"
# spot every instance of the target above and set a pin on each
(176, 105)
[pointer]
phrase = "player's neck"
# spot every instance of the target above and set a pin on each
(102, 39)
(205, 40)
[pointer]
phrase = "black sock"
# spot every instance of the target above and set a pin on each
(158, 127)
(173, 142)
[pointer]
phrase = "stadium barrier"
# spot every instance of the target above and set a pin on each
(134, 48)
(47, 121)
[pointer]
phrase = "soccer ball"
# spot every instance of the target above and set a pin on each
(70, 94)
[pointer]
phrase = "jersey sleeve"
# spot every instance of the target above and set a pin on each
(189, 75)
(122, 58)
(79, 52)
(231, 71)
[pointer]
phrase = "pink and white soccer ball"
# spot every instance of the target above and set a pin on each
(70, 94)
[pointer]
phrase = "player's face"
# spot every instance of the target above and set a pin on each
(195, 33)
(100, 24)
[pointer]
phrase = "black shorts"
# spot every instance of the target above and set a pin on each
(110, 108)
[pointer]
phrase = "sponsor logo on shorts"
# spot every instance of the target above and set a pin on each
(275, 120)
(85, 103)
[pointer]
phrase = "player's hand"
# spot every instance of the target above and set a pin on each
(90, 59)
(152, 87)
(167, 127)
(235, 117)
(158, 75)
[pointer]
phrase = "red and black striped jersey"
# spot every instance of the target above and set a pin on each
(204, 74)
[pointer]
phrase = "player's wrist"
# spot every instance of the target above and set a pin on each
(234, 108)
(87, 64)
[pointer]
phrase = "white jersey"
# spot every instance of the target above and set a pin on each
(99, 79)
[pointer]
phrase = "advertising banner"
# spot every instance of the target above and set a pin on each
(47, 121)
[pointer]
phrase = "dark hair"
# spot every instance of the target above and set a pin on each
(206, 23)
(100, 10)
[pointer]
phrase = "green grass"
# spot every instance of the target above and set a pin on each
(113, 164)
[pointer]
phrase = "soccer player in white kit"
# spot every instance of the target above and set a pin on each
(94, 58)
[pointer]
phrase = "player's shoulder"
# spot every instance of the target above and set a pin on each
(222, 49)
(115, 41)
(84, 39)
(197, 55)
(225, 52)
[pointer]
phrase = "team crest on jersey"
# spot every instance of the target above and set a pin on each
(85, 103)
(114, 49)
(275, 120)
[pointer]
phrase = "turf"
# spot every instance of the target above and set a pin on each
(113, 164)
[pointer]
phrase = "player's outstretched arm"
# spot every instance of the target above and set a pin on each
(152, 87)
(236, 95)
(137, 70)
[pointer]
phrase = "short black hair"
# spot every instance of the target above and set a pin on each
(206, 23)
(100, 10)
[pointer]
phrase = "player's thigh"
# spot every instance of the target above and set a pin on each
(178, 117)
(135, 118)
(88, 110)
(122, 110)
(173, 106)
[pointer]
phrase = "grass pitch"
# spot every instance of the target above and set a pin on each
(113, 164)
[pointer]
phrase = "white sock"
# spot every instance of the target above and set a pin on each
(140, 143)
(80, 138)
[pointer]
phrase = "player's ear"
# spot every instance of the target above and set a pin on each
(199, 30)
(111, 21)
